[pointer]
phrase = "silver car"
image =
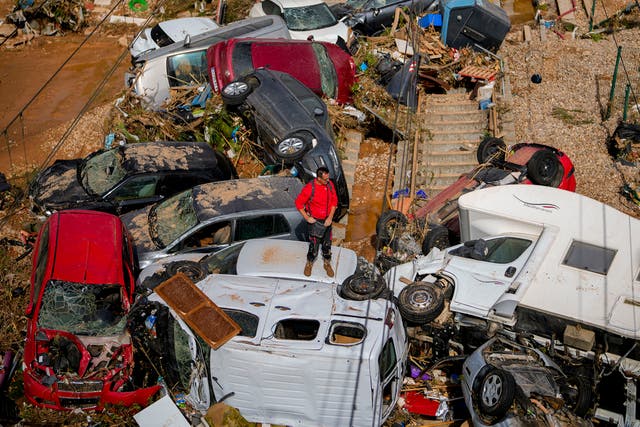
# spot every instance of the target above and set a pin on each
(211, 216)
(184, 64)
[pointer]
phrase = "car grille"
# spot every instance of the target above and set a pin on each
(79, 403)
(80, 386)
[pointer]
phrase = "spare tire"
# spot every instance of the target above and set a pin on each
(361, 287)
(390, 225)
(421, 302)
(544, 168)
(436, 237)
(194, 270)
(491, 149)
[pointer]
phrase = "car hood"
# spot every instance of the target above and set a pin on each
(137, 222)
(328, 34)
(57, 187)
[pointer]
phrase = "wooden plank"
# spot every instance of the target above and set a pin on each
(527, 33)
(475, 72)
(202, 315)
(567, 8)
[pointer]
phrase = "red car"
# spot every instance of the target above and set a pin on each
(436, 222)
(78, 353)
(323, 67)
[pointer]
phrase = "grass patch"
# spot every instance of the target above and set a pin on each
(570, 116)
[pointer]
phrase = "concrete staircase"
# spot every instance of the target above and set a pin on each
(350, 151)
(450, 126)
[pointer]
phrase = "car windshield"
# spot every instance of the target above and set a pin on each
(93, 310)
(309, 17)
(224, 261)
(102, 172)
(356, 4)
(328, 79)
(172, 218)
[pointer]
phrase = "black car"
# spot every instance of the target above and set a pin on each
(128, 177)
(371, 17)
(291, 125)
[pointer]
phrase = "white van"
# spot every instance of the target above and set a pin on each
(304, 356)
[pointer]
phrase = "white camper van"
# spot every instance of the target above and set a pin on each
(304, 356)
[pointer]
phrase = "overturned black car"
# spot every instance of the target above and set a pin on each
(291, 125)
(128, 177)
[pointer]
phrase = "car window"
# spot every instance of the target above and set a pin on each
(187, 69)
(309, 17)
(260, 226)
(41, 262)
(357, 4)
(182, 351)
(589, 257)
(171, 184)
(210, 235)
(387, 360)
(328, 79)
(346, 333)
(160, 37)
(94, 310)
(224, 261)
(172, 218)
(296, 329)
(248, 322)
(241, 59)
(270, 8)
(102, 172)
(136, 187)
(505, 249)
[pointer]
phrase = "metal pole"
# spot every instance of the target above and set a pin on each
(613, 84)
(593, 11)
(627, 91)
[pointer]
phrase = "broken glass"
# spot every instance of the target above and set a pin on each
(328, 79)
(309, 17)
(172, 218)
(102, 172)
(92, 310)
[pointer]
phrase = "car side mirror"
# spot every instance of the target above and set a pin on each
(318, 111)
(376, 11)
(187, 40)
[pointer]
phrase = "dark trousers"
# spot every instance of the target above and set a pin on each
(315, 243)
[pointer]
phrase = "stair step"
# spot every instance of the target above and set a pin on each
(455, 116)
(462, 126)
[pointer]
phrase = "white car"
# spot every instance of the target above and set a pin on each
(305, 18)
(168, 32)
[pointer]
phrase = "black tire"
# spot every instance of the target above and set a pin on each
(390, 225)
(192, 269)
(437, 237)
(491, 149)
(578, 394)
(294, 146)
(544, 168)
(235, 93)
(361, 287)
(421, 302)
(496, 392)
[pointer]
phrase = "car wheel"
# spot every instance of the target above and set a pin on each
(578, 394)
(491, 149)
(235, 93)
(191, 269)
(293, 146)
(361, 287)
(421, 302)
(390, 225)
(544, 168)
(496, 392)
(436, 237)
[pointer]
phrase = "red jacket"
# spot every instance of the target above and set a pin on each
(324, 198)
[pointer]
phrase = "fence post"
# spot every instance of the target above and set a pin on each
(627, 91)
(593, 11)
(613, 84)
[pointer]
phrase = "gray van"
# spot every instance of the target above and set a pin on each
(184, 64)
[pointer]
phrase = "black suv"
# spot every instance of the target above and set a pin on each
(290, 123)
(128, 177)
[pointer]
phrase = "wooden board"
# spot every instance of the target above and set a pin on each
(481, 73)
(566, 8)
(201, 314)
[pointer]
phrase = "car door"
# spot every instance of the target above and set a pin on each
(134, 192)
(481, 278)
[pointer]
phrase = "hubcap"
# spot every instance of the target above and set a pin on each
(492, 390)
(236, 88)
(421, 299)
(291, 146)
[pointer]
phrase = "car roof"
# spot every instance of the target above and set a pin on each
(161, 156)
(87, 247)
(286, 259)
(241, 195)
(253, 27)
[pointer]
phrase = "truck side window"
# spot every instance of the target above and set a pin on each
(297, 329)
(589, 257)
(346, 333)
(387, 359)
(248, 322)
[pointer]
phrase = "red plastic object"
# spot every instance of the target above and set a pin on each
(418, 403)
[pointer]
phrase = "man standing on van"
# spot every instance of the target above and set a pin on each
(317, 202)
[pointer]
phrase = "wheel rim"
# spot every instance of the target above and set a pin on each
(362, 287)
(290, 146)
(193, 272)
(236, 88)
(421, 299)
(491, 390)
(545, 170)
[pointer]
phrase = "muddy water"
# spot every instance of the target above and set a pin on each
(24, 71)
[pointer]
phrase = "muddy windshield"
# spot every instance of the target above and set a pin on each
(93, 310)
(309, 17)
(171, 218)
(356, 4)
(102, 172)
(224, 261)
